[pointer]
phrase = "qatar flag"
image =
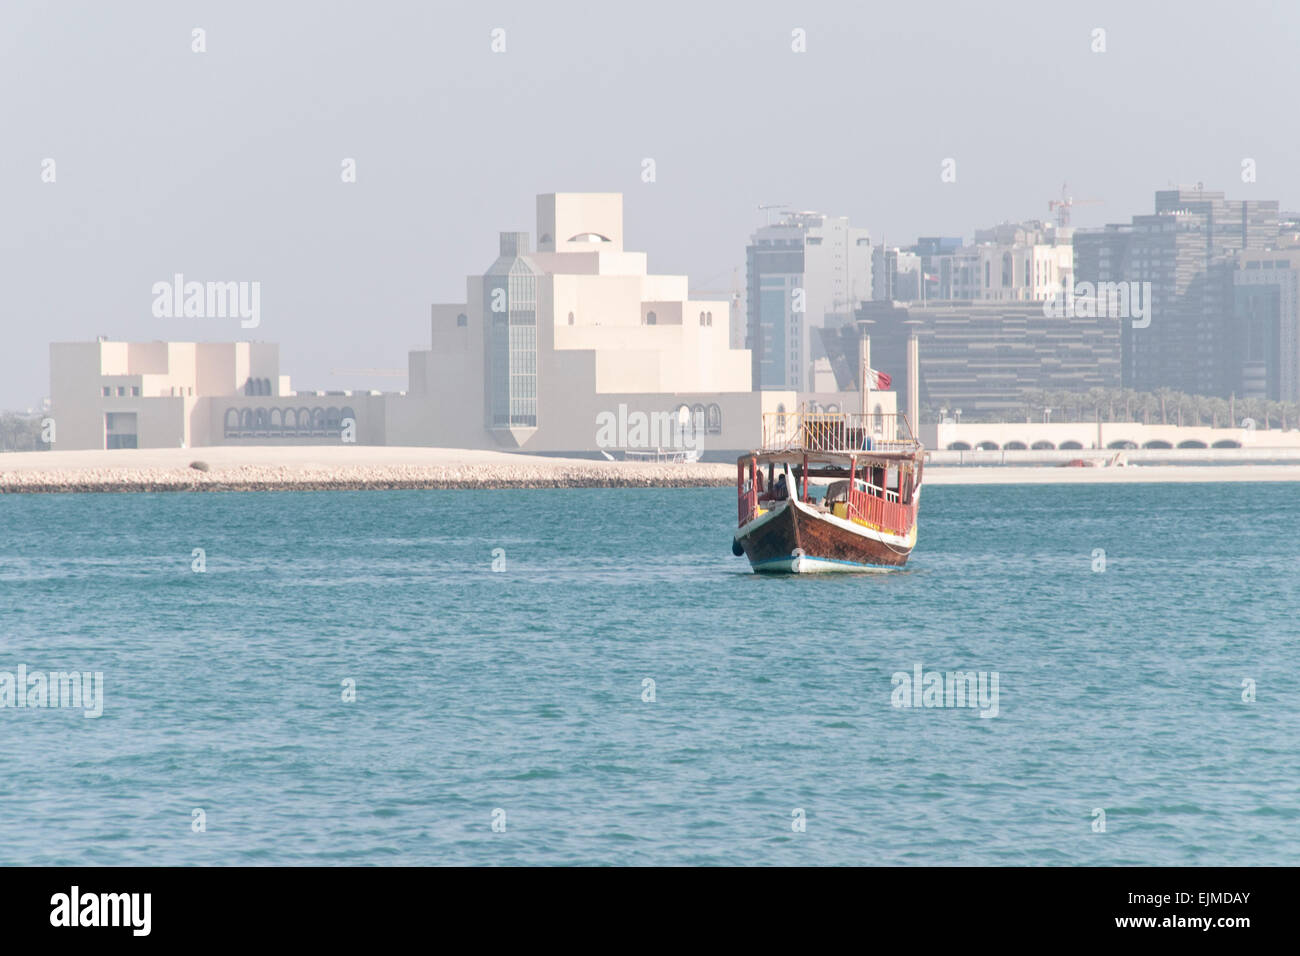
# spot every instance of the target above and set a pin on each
(880, 380)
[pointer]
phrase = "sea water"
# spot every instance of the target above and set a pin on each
(590, 677)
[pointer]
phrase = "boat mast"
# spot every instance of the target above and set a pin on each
(864, 361)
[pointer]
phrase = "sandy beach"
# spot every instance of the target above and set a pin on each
(312, 468)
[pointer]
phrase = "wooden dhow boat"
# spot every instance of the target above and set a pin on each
(829, 492)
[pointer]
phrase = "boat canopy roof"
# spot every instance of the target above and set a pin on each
(834, 459)
(835, 438)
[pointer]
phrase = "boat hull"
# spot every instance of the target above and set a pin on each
(795, 538)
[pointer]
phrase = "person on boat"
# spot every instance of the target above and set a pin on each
(779, 491)
(776, 490)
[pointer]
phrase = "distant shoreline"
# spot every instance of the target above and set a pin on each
(375, 468)
(181, 483)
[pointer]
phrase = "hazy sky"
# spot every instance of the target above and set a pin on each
(225, 165)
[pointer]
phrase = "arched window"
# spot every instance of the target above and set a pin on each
(232, 422)
(332, 420)
(290, 423)
(701, 318)
(318, 421)
(277, 421)
(248, 387)
(651, 318)
(246, 421)
(304, 421)
(1007, 269)
(780, 415)
(261, 421)
(715, 419)
(878, 419)
(462, 320)
(699, 418)
(570, 318)
(709, 316)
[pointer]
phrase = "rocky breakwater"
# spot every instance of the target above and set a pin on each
(538, 473)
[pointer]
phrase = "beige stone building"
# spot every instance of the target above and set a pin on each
(550, 344)
(573, 347)
(151, 394)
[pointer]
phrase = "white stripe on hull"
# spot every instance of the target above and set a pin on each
(802, 564)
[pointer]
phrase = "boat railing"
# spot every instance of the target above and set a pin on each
(746, 494)
(881, 512)
(842, 432)
(864, 501)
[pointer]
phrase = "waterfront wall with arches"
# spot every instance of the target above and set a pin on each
(300, 419)
(1040, 437)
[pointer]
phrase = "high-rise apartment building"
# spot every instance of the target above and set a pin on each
(805, 273)
(1187, 250)
(1264, 336)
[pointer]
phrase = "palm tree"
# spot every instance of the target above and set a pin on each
(1219, 412)
(1164, 394)
(19, 432)
(1151, 403)
(1278, 409)
(1035, 399)
(1096, 397)
(1201, 405)
(1250, 409)
(1057, 400)
(1130, 396)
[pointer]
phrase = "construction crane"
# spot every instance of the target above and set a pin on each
(732, 294)
(768, 207)
(1064, 204)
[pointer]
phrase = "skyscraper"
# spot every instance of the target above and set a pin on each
(804, 273)
(1264, 338)
(1186, 250)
